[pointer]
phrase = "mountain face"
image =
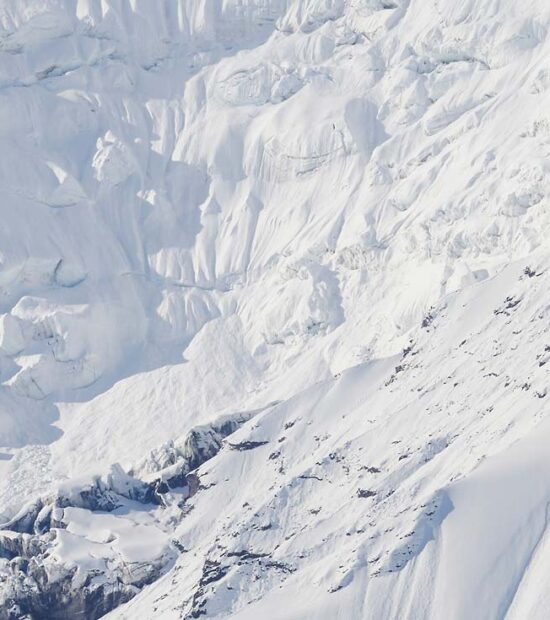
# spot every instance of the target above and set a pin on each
(274, 316)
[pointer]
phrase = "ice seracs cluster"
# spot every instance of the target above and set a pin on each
(304, 242)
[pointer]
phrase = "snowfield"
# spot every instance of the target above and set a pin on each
(274, 334)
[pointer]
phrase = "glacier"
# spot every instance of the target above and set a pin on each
(273, 303)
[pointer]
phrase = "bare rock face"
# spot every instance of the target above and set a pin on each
(40, 584)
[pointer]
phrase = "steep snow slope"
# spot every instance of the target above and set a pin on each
(209, 207)
(380, 495)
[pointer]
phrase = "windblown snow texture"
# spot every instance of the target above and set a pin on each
(274, 309)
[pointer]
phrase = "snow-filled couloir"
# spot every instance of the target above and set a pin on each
(273, 309)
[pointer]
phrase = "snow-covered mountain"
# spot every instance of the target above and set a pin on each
(274, 311)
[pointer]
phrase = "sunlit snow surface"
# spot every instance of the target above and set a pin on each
(323, 220)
